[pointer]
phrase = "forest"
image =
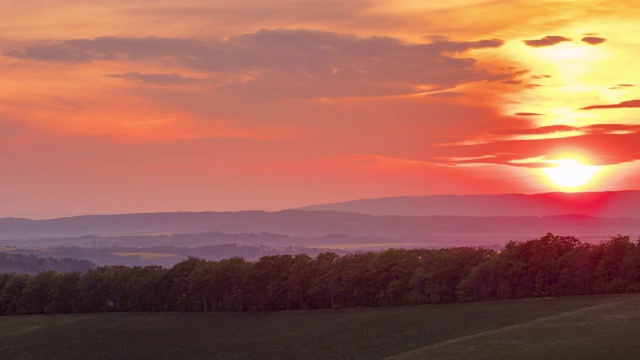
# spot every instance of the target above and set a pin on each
(31, 264)
(545, 267)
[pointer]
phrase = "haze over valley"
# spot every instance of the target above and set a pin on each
(373, 224)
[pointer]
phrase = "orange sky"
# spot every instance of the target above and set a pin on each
(129, 106)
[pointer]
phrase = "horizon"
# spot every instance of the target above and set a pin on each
(302, 207)
(132, 106)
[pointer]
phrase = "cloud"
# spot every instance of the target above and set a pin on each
(546, 41)
(283, 63)
(158, 79)
(447, 95)
(108, 49)
(624, 104)
(621, 86)
(590, 129)
(540, 76)
(11, 129)
(528, 114)
(604, 143)
(536, 131)
(610, 129)
(593, 40)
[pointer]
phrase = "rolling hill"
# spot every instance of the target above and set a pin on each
(322, 227)
(598, 204)
(438, 220)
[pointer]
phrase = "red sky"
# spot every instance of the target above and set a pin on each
(131, 106)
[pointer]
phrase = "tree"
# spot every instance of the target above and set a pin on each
(176, 288)
(38, 294)
(613, 269)
(325, 279)
(11, 299)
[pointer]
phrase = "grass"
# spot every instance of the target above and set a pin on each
(145, 255)
(582, 327)
(606, 331)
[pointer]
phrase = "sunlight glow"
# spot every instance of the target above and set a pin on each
(570, 174)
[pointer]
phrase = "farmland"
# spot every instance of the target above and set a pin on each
(145, 255)
(568, 327)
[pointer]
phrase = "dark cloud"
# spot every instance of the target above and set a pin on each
(593, 40)
(513, 76)
(546, 41)
(621, 86)
(289, 63)
(108, 48)
(528, 114)
(624, 104)
(540, 76)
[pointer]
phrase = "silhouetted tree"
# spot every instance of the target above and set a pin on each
(549, 266)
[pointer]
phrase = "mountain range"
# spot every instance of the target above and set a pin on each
(610, 204)
(437, 220)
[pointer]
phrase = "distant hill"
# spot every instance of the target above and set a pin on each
(441, 230)
(437, 220)
(599, 204)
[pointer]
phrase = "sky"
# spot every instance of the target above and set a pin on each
(125, 106)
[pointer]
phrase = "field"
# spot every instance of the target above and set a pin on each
(586, 327)
(145, 255)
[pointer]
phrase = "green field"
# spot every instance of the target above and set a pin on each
(585, 327)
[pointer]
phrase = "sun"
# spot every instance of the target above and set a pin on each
(570, 174)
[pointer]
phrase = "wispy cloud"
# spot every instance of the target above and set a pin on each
(158, 79)
(528, 114)
(624, 104)
(11, 129)
(287, 63)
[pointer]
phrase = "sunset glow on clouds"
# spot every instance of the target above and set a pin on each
(133, 106)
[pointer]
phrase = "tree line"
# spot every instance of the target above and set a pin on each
(549, 266)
